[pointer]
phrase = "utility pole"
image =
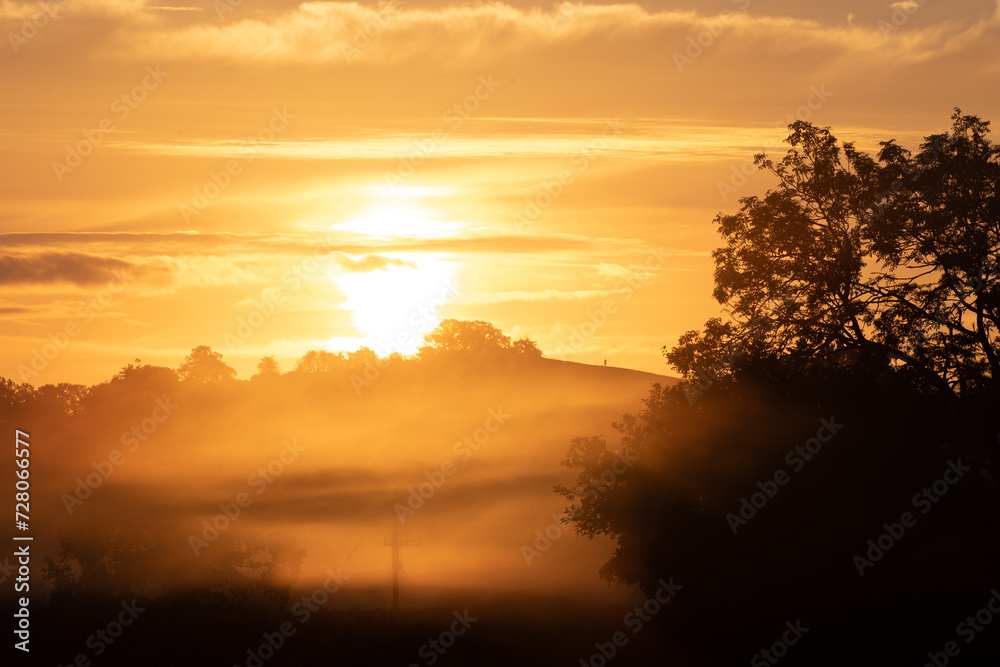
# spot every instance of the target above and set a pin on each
(397, 543)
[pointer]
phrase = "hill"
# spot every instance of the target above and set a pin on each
(301, 469)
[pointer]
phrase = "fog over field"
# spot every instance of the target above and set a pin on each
(430, 333)
(466, 465)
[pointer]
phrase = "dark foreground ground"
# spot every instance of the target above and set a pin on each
(195, 630)
(186, 631)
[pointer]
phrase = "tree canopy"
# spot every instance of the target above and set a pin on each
(474, 338)
(859, 294)
(320, 361)
(268, 367)
(465, 337)
(205, 366)
(893, 258)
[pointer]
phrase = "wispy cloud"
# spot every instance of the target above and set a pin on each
(541, 295)
(464, 36)
(54, 267)
(356, 254)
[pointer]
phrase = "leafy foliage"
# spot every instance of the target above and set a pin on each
(858, 290)
(894, 259)
(205, 366)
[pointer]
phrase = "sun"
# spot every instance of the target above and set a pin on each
(398, 220)
(394, 306)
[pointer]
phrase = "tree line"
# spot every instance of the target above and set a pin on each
(858, 291)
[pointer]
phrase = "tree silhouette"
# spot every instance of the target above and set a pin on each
(132, 389)
(62, 398)
(268, 367)
(526, 349)
(14, 399)
(321, 361)
(108, 559)
(362, 357)
(895, 258)
(465, 337)
(261, 569)
(205, 366)
(860, 291)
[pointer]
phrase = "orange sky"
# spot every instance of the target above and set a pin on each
(169, 171)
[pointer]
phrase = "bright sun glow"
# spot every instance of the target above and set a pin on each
(394, 307)
(398, 221)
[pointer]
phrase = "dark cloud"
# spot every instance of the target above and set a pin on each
(369, 263)
(143, 244)
(55, 267)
